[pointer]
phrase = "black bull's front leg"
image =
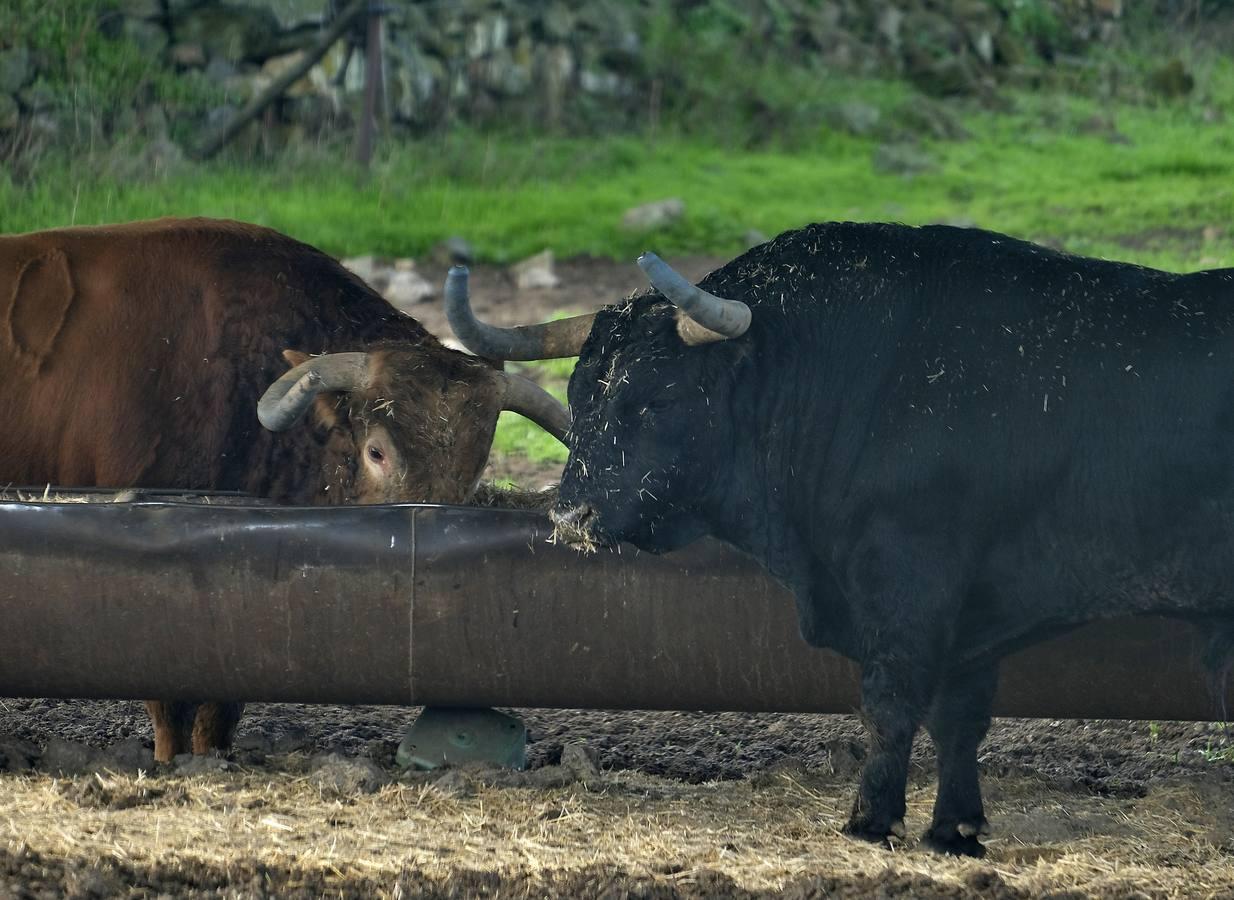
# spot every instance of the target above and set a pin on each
(893, 706)
(896, 701)
(903, 605)
(958, 721)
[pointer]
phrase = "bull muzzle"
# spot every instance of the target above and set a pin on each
(578, 526)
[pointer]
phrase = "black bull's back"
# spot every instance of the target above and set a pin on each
(1061, 428)
(947, 442)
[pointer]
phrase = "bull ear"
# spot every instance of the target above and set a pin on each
(295, 357)
(325, 404)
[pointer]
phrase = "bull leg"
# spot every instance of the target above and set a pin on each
(901, 593)
(215, 725)
(958, 722)
(894, 704)
(173, 727)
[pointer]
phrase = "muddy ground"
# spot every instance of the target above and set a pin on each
(311, 804)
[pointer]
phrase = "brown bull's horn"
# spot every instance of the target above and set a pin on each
(550, 340)
(285, 401)
(719, 319)
(527, 398)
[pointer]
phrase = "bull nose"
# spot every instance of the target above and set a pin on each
(575, 518)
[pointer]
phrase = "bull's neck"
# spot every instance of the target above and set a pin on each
(759, 515)
(763, 501)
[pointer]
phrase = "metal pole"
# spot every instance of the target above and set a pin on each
(448, 606)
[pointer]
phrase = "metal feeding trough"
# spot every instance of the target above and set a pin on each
(228, 598)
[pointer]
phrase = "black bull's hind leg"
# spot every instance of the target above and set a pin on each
(958, 721)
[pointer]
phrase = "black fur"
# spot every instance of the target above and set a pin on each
(948, 443)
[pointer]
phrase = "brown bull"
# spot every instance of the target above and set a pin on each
(136, 355)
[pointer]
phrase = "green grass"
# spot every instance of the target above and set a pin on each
(1034, 173)
(1042, 171)
(1221, 751)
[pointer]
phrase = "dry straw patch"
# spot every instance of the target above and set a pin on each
(764, 834)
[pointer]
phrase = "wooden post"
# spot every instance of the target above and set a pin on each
(374, 88)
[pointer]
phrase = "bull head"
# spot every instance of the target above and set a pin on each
(698, 318)
(406, 422)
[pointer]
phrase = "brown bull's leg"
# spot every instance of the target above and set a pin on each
(215, 725)
(173, 727)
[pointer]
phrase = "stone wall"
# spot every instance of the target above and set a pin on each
(576, 66)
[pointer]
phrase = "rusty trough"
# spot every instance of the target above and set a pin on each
(452, 606)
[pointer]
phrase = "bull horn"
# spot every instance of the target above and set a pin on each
(285, 401)
(711, 319)
(549, 340)
(527, 398)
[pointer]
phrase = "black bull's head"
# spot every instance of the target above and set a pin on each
(649, 432)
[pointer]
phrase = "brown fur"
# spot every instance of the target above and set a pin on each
(38, 306)
(134, 355)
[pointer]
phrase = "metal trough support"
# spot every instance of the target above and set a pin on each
(446, 606)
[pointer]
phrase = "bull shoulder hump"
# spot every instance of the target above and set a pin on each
(39, 301)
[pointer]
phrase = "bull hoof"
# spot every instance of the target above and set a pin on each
(957, 840)
(967, 829)
(874, 833)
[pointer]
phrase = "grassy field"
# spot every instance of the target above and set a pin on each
(1147, 181)
(1136, 181)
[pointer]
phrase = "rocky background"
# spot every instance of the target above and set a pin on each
(75, 71)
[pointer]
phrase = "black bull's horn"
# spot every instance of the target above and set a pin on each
(710, 318)
(285, 401)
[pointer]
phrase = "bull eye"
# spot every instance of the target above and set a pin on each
(375, 454)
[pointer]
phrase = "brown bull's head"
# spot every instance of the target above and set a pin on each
(404, 422)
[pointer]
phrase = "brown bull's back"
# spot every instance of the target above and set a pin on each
(135, 354)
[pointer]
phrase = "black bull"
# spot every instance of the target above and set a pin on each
(946, 442)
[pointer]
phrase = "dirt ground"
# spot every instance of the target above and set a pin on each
(614, 804)
(680, 805)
